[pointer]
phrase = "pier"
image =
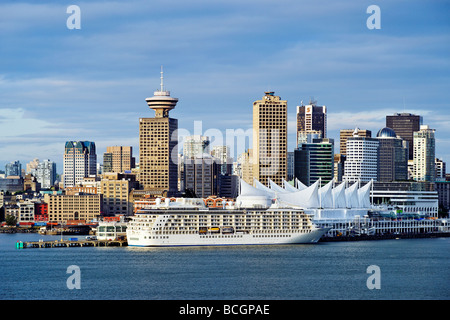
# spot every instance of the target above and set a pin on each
(70, 243)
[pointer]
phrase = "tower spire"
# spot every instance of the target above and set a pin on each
(161, 101)
(162, 79)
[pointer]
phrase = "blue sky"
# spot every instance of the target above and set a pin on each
(58, 84)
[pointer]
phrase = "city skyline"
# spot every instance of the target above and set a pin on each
(91, 84)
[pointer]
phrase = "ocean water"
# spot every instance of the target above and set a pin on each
(412, 269)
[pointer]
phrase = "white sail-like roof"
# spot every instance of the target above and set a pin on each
(326, 196)
(339, 196)
(300, 185)
(364, 196)
(251, 197)
(260, 186)
(289, 187)
(308, 198)
(351, 196)
(248, 190)
(276, 188)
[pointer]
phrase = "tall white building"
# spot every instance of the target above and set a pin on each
(362, 159)
(224, 159)
(45, 173)
(80, 161)
(424, 154)
(195, 146)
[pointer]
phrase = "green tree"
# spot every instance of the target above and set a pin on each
(11, 220)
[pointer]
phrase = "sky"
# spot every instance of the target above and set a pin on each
(59, 84)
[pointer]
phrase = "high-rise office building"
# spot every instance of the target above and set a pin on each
(270, 139)
(440, 169)
(312, 117)
(118, 159)
(158, 146)
(404, 125)
(224, 159)
(195, 146)
(13, 169)
(314, 161)
(201, 175)
(392, 156)
(80, 161)
(45, 173)
(361, 162)
(347, 133)
(424, 154)
(339, 165)
(245, 161)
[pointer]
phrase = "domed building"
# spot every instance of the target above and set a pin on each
(386, 133)
(392, 156)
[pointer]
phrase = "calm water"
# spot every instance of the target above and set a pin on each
(410, 269)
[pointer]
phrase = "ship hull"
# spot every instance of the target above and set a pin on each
(145, 239)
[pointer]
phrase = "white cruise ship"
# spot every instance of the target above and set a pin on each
(254, 219)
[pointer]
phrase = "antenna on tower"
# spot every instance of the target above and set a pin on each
(162, 79)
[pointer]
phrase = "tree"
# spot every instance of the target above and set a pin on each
(11, 220)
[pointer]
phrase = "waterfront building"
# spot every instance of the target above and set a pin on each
(314, 161)
(392, 156)
(348, 133)
(115, 189)
(118, 159)
(26, 212)
(409, 197)
(424, 154)
(40, 211)
(158, 146)
(270, 139)
(62, 208)
(404, 125)
(443, 190)
(312, 117)
(13, 168)
(361, 162)
(80, 161)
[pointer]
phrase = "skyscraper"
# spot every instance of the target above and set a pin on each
(13, 169)
(393, 156)
(424, 155)
(195, 146)
(361, 162)
(404, 125)
(118, 159)
(80, 161)
(46, 173)
(347, 133)
(158, 145)
(270, 139)
(314, 160)
(312, 117)
(202, 175)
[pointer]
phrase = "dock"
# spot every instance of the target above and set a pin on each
(70, 243)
